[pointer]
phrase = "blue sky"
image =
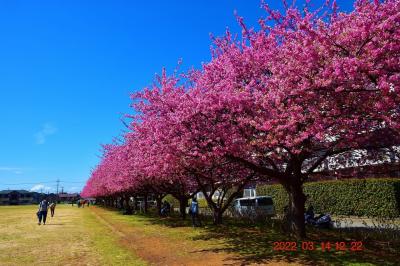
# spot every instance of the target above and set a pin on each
(67, 69)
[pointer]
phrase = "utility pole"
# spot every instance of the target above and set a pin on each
(58, 183)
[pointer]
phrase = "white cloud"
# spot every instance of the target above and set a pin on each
(40, 188)
(14, 170)
(47, 130)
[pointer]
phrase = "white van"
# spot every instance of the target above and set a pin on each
(254, 206)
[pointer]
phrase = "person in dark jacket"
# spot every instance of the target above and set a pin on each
(310, 212)
(42, 212)
(194, 212)
(166, 208)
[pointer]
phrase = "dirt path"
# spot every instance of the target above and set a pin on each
(157, 250)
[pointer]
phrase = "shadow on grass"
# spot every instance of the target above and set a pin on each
(256, 245)
(248, 243)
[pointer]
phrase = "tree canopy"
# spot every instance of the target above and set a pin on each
(274, 104)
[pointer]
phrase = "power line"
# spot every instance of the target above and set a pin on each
(46, 182)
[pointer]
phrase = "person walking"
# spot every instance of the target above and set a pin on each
(166, 208)
(42, 213)
(194, 212)
(52, 208)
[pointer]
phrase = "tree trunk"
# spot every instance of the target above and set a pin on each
(183, 202)
(159, 201)
(127, 206)
(217, 210)
(145, 204)
(217, 216)
(121, 203)
(296, 208)
(135, 207)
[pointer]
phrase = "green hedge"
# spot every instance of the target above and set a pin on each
(173, 201)
(367, 197)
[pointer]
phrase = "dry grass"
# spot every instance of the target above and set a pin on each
(73, 237)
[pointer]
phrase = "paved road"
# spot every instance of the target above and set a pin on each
(355, 222)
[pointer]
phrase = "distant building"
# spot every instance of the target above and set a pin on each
(68, 197)
(382, 170)
(91, 200)
(18, 197)
(52, 197)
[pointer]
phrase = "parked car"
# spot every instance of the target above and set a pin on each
(253, 207)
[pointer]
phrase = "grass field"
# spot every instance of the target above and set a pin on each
(97, 236)
(72, 237)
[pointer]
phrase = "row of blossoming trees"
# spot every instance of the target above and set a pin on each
(273, 105)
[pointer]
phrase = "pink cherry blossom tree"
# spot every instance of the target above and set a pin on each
(172, 153)
(307, 88)
(278, 103)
